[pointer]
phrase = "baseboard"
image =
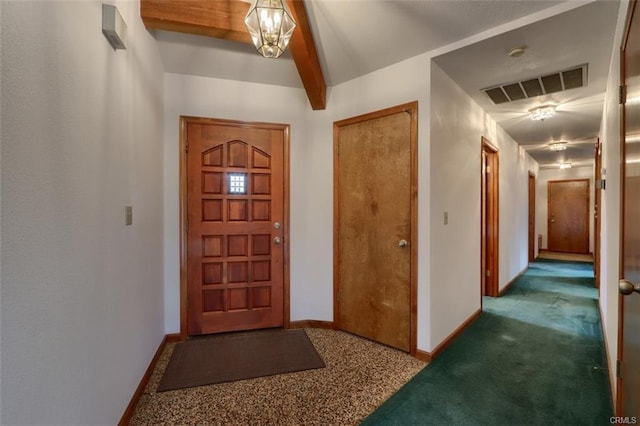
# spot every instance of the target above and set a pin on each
(131, 408)
(423, 355)
(446, 342)
(610, 373)
(513, 281)
(311, 324)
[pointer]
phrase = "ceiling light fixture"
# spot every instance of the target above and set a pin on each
(564, 166)
(270, 25)
(558, 146)
(542, 113)
(516, 52)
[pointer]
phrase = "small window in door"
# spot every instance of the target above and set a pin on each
(238, 183)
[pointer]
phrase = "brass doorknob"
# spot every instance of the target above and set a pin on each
(277, 240)
(627, 287)
(403, 243)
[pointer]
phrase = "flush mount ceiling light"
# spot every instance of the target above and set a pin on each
(558, 146)
(516, 52)
(270, 25)
(564, 166)
(542, 113)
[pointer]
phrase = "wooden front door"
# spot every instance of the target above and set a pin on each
(375, 226)
(235, 225)
(629, 343)
(568, 216)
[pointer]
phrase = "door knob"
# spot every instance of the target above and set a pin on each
(403, 243)
(627, 287)
(277, 240)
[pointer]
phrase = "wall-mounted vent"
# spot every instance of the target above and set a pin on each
(537, 86)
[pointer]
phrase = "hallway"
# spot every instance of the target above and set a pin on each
(535, 356)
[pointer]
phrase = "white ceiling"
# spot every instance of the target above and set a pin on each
(356, 37)
(580, 36)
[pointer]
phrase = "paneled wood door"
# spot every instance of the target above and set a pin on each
(235, 225)
(629, 306)
(568, 215)
(375, 226)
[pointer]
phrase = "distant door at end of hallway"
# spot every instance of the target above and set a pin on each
(568, 216)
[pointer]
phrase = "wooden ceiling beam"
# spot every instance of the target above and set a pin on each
(220, 19)
(225, 19)
(303, 51)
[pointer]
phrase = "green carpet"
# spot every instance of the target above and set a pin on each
(535, 356)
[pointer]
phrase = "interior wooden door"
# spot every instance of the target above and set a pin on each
(490, 206)
(532, 217)
(629, 343)
(235, 236)
(597, 206)
(375, 245)
(568, 215)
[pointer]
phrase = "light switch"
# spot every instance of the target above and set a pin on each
(128, 215)
(446, 218)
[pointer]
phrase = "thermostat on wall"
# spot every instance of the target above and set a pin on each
(113, 26)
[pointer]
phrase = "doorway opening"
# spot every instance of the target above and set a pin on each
(532, 217)
(597, 226)
(489, 218)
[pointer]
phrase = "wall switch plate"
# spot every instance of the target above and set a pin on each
(128, 215)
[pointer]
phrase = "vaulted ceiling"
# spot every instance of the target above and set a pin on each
(338, 40)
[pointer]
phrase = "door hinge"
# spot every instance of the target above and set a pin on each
(619, 369)
(488, 169)
(488, 272)
(186, 225)
(186, 146)
(622, 94)
(338, 149)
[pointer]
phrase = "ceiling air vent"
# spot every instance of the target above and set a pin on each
(537, 86)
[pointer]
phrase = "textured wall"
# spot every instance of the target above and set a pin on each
(233, 100)
(82, 308)
(311, 231)
(457, 124)
(610, 242)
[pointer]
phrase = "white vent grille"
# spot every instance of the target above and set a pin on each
(538, 86)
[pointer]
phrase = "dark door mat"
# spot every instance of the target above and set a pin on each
(239, 356)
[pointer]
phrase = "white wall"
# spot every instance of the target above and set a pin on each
(403, 82)
(610, 211)
(311, 232)
(542, 199)
(457, 125)
(310, 177)
(82, 308)
(442, 307)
